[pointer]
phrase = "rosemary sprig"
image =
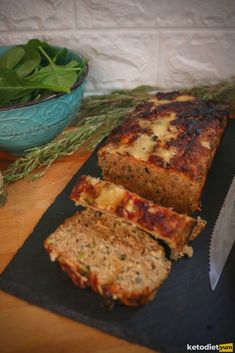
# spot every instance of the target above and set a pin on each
(3, 193)
(118, 99)
(223, 93)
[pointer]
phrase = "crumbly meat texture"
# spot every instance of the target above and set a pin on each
(164, 150)
(113, 258)
(162, 223)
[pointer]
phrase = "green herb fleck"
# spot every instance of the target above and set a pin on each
(85, 270)
(81, 255)
(93, 245)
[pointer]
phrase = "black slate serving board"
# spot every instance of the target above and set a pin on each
(185, 309)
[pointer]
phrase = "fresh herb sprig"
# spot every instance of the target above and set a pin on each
(3, 193)
(222, 93)
(35, 70)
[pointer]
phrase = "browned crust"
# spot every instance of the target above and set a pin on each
(194, 120)
(199, 226)
(175, 229)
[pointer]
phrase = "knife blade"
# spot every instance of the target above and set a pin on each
(223, 237)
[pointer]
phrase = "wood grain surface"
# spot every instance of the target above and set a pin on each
(23, 327)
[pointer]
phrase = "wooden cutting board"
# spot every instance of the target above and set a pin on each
(24, 327)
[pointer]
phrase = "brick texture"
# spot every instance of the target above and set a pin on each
(131, 42)
(36, 14)
(193, 58)
(152, 13)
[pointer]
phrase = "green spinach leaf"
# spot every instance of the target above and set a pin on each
(12, 57)
(36, 70)
(50, 50)
(13, 87)
(27, 97)
(10, 86)
(30, 62)
(57, 74)
(73, 63)
(60, 56)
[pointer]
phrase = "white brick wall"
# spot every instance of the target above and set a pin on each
(168, 43)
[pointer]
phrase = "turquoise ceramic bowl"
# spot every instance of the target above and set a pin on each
(34, 124)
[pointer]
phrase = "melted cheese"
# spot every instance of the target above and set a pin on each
(109, 197)
(152, 209)
(141, 148)
(184, 98)
(165, 154)
(130, 206)
(206, 144)
(145, 146)
(157, 101)
(163, 129)
(93, 181)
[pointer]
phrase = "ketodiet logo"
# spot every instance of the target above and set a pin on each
(223, 347)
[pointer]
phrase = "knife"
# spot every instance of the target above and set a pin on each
(223, 237)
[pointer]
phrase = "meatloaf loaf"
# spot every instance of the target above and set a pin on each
(162, 223)
(164, 150)
(110, 256)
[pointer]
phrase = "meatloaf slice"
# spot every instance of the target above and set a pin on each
(110, 256)
(162, 223)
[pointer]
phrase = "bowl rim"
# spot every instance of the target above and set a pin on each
(54, 96)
